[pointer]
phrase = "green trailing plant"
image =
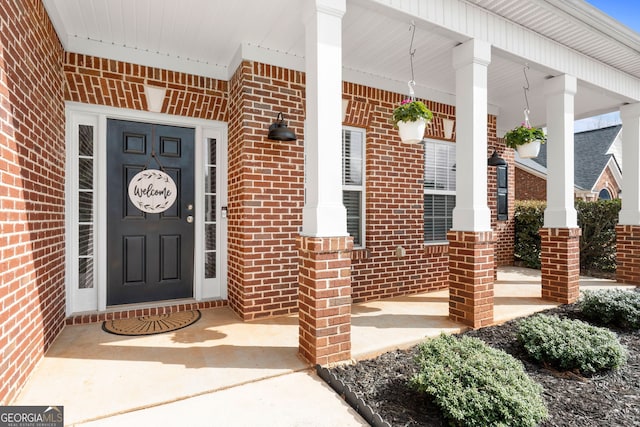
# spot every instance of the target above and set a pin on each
(476, 385)
(411, 111)
(617, 307)
(570, 345)
(524, 134)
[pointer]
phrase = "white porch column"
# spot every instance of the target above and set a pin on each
(324, 291)
(470, 61)
(324, 214)
(630, 212)
(628, 229)
(560, 235)
(471, 245)
(560, 211)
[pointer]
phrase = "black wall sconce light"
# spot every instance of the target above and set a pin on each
(502, 178)
(496, 160)
(279, 131)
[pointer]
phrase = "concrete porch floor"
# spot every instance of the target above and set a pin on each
(221, 371)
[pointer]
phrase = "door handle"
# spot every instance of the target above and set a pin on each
(190, 219)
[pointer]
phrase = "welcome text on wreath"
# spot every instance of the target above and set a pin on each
(152, 191)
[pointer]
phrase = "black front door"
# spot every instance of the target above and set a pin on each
(149, 255)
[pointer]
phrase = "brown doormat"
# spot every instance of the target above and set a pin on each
(150, 325)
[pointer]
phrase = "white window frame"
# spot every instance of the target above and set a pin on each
(85, 299)
(359, 188)
(608, 192)
(436, 192)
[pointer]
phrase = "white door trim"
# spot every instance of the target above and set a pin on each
(94, 299)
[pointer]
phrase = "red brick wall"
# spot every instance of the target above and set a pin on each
(628, 254)
(607, 181)
(503, 231)
(560, 258)
(266, 177)
(394, 201)
(529, 186)
(394, 204)
(266, 196)
(32, 156)
(266, 193)
(100, 81)
(471, 277)
(81, 319)
(325, 299)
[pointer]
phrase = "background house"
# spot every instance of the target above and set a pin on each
(597, 167)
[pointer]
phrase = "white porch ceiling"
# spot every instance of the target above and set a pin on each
(209, 37)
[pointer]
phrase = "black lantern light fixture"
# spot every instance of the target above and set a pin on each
(496, 160)
(279, 131)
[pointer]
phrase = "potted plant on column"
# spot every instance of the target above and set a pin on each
(526, 140)
(411, 118)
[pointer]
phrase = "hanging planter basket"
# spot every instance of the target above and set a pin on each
(529, 150)
(525, 138)
(411, 116)
(412, 132)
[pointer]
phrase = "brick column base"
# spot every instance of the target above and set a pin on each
(471, 277)
(560, 259)
(325, 299)
(628, 254)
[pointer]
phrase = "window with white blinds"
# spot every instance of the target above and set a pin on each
(439, 189)
(353, 182)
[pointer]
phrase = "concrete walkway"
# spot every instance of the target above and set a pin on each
(221, 371)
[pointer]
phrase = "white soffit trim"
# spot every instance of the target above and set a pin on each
(385, 83)
(260, 54)
(268, 56)
(473, 21)
(613, 167)
(593, 17)
(147, 58)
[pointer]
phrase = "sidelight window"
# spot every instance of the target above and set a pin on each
(85, 206)
(210, 220)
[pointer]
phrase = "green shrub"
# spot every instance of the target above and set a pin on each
(476, 385)
(598, 240)
(528, 217)
(612, 307)
(570, 344)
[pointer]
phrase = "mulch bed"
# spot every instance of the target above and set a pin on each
(608, 399)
